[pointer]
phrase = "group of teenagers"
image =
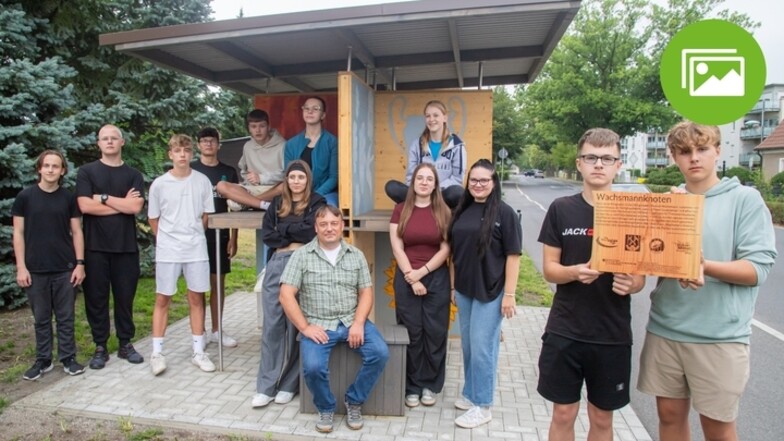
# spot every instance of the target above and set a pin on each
(452, 242)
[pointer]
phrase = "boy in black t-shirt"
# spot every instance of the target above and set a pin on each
(110, 195)
(49, 249)
(588, 334)
(208, 140)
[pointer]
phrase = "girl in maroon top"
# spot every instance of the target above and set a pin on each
(418, 235)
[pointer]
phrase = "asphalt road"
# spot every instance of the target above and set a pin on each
(761, 404)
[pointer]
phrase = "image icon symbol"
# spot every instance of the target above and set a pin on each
(713, 72)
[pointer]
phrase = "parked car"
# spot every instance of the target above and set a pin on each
(539, 174)
(629, 187)
(529, 172)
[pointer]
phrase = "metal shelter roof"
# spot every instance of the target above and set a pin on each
(428, 44)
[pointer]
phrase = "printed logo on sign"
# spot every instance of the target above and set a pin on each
(712, 72)
(656, 245)
(607, 242)
(632, 242)
(683, 247)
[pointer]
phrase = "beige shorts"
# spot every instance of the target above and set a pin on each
(256, 190)
(713, 375)
(196, 274)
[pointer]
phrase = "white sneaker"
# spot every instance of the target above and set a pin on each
(227, 341)
(205, 340)
(261, 400)
(234, 206)
(475, 417)
(157, 363)
(203, 362)
(412, 400)
(428, 397)
(463, 403)
(284, 397)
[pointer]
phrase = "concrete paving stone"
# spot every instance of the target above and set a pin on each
(101, 409)
(376, 437)
(396, 429)
(505, 435)
(216, 422)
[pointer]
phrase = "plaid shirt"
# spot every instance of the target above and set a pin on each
(327, 293)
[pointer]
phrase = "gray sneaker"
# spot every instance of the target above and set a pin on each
(324, 424)
(428, 397)
(354, 419)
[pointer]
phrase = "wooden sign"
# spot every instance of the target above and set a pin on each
(647, 233)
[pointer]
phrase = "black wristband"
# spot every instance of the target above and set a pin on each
(80, 261)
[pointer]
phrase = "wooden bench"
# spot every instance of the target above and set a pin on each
(387, 398)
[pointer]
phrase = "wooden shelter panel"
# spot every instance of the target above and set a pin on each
(399, 120)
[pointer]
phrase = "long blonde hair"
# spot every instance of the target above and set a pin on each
(437, 205)
(424, 139)
(287, 203)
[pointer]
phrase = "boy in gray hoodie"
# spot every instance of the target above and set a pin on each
(696, 350)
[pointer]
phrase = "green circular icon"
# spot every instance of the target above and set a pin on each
(712, 72)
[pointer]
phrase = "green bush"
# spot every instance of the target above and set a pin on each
(659, 188)
(776, 211)
(777, 180)
(665, 176)
(743, 174)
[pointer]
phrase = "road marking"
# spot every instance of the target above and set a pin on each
(767, 329)
(530, 200)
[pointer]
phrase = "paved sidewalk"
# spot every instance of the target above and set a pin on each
(220, 402)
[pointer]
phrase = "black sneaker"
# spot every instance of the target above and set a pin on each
(99, 358)
(71, 367)
(129, 353)
(39, 368)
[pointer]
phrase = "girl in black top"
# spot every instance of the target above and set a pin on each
(486, 241)
(288, 224)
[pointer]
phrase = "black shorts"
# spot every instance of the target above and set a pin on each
(224, 245)
(565, 363)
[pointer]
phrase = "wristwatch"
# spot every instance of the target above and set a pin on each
(104, 198)
(80, 261)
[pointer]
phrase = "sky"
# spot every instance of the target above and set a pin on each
(769, 13)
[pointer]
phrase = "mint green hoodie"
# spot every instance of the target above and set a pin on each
(736, 225)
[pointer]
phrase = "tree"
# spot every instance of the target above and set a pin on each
(36, 113)
(507, 124)
(59, 86)
(535, 157)
(605, 71)
(564, 156)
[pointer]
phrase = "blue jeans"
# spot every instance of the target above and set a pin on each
(480, 331)
(315, 366)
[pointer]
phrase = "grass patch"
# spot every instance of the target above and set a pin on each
(150, 434)
(4, 402)
(532, 289)
(14, 373)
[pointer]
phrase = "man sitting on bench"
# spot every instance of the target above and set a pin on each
(335, 299)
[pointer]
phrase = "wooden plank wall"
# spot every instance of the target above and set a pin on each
(399, 119)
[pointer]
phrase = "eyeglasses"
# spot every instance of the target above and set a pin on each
(311, 109)
(208, 141)
(480, 182)
(591, 159)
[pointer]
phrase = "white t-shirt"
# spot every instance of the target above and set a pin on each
(179, 204)
(332, 255)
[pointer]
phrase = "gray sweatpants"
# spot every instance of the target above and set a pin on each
(279, 367)
(53, 293)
